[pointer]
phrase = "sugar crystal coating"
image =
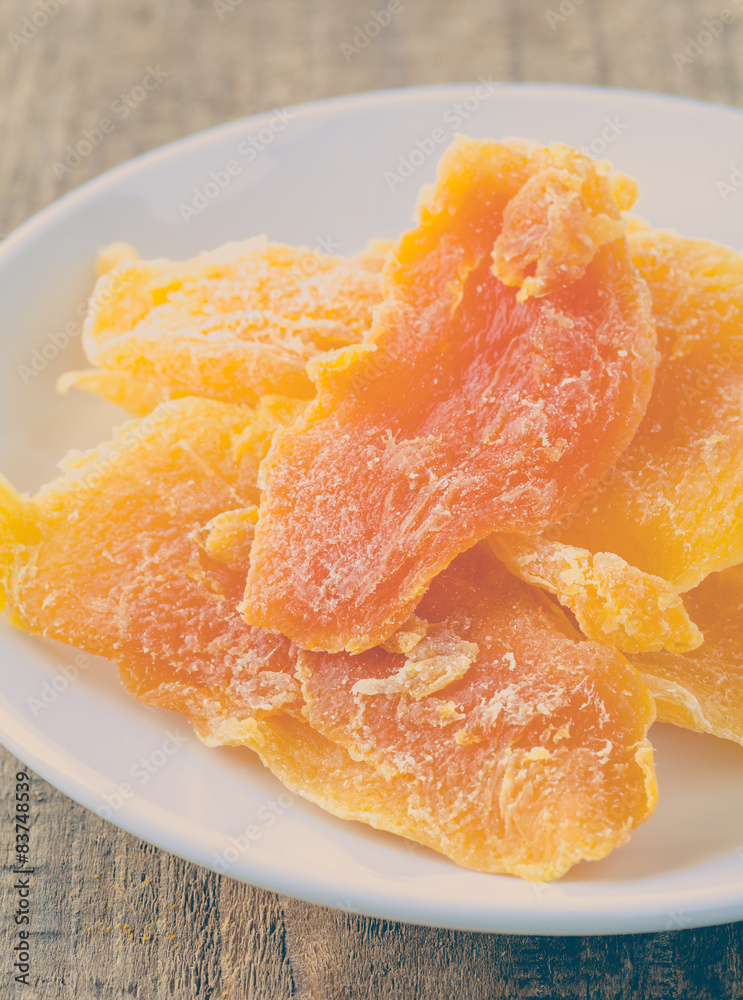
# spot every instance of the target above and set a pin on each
(502, 737)
(702, 689)
(671, 510)
(234, 324)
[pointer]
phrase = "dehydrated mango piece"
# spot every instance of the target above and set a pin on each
(673, 504)
(229, 536)
(612, 601)
(703, 689)
(671, 509)
(467, 410)
(114, 555)
(551, 228)
(131, 555)
(233, 324)
(375, 254)
(502, 739)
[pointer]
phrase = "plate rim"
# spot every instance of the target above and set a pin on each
(61, 206)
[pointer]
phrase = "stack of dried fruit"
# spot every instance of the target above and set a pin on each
(335, 530)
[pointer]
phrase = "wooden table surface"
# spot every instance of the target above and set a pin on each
(96, 888)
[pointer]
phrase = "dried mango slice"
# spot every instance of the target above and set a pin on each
(233, 324)
(703, 689)
(679, 485)
(121, 555)
(131, 554)
(473, 407)
(672, 507)
(503, 739)
(612, 601)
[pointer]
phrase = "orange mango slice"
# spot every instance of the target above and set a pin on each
(137, 553)
(612, 601)
(703, 689)
(674, 503)
(507, 368)
(671, 510)
(502, 738)
(234, 324)
(127, 555)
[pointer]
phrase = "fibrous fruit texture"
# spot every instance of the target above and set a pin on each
(234, 324)
(702, 689)
(493, 418)
(507, 368)
(114, 555)
(612, 601)
(503, 738)
(670, 511)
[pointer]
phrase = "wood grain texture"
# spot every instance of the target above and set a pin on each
(113, 916)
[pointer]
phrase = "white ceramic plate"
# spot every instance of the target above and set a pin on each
(340, 172)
